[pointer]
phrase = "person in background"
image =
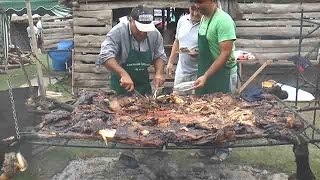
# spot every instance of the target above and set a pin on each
(36, 30)
(130, 48)
(40, 31)
(217, 66)
(186, 37)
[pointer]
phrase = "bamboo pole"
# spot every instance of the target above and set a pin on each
(35, 49)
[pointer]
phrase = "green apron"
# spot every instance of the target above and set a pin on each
(219, 82)
(137, 67)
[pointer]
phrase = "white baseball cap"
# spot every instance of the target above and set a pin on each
(143, 18)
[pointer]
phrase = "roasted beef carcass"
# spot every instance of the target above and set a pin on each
(185, 120)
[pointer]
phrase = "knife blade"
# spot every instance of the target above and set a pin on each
(139, 94)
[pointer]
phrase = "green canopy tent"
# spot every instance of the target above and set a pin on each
(41, 7)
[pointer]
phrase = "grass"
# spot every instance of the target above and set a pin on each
(276, 158)
(18, 78)
(280, 158)
(63, 86)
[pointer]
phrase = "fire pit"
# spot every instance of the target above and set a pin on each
(170, 119)
(173, 122)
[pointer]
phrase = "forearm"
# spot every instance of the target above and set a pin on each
(159, 66)
(114, 66)
(174, 51)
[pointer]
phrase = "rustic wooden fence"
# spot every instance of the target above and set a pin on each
(272, 30)
(92, 21)
(268, 29)
(56, 29)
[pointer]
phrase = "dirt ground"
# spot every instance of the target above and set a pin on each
(158, 165)
(263, 163)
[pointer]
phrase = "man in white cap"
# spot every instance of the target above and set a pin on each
(130, 48)
(35, 28)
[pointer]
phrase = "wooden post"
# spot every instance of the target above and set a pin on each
(49, 69)
(72, 72)
(35, 49)
(264, 65)
(240, 67)
(23, 69)
(303, 171)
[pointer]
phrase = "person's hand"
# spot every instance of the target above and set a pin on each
(169, 69)
(194, 52)
(158, 80)
(126, 82)
(200, 82)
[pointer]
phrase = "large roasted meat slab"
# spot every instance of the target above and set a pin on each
(185, 120)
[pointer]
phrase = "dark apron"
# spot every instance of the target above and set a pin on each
(137, 67)
(219, 82)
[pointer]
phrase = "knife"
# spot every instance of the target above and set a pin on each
(138, 94)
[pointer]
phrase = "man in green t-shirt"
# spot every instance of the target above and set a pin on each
(217, 66)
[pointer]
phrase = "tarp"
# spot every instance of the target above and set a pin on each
(40, 7)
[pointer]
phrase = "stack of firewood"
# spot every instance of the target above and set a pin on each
(13, 57)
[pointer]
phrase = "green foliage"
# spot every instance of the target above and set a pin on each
(17, 77)
(277, 158)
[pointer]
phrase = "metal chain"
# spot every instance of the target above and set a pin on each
(16, 126)
(14, 114)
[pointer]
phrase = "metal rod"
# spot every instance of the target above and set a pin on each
(309, 21)
(316, 95)
(8, 141)
(87, 146)
(167, 147)
(314, 130)
(24, 70)
(299, 54)
(297, 114)
(311, 32)
(163, 20)
(49, 69)
(309, 109)
(308, 82)
(48, 136)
